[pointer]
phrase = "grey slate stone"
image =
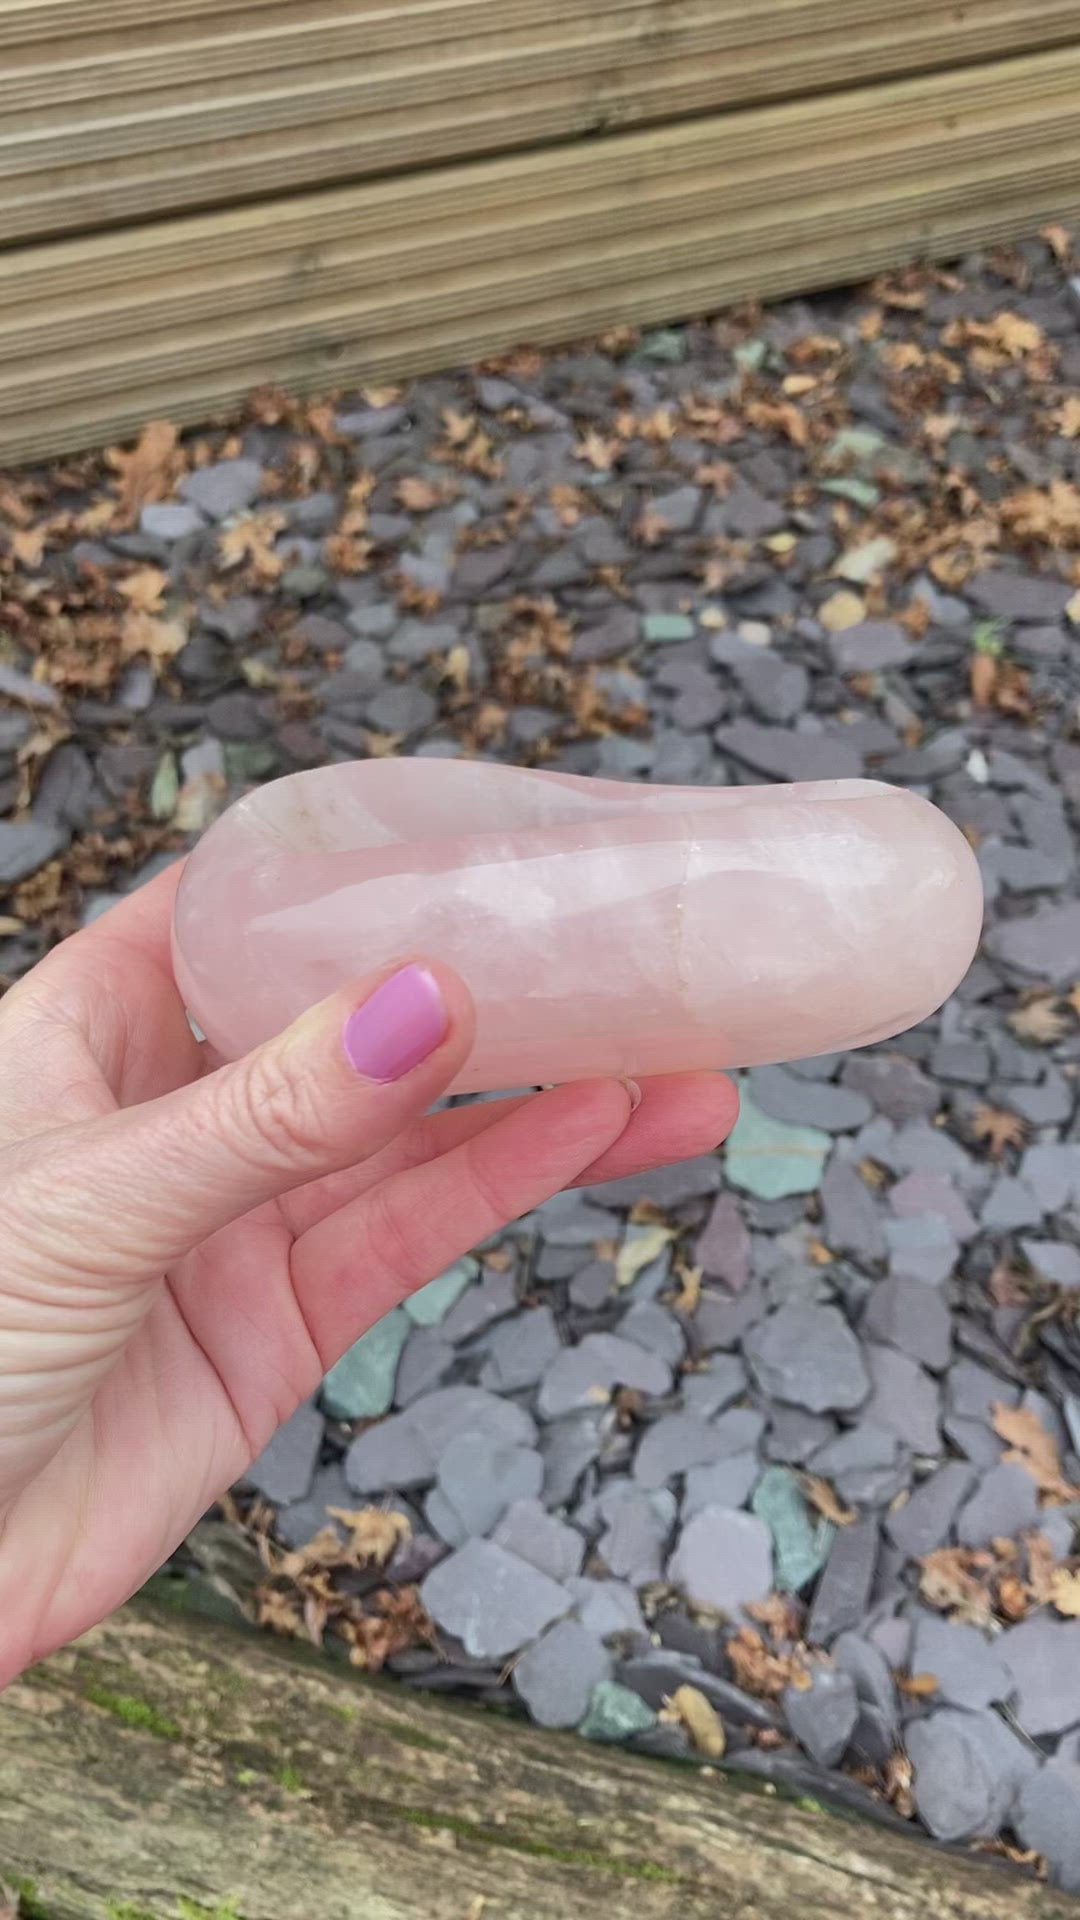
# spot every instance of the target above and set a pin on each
(527, 1529)
(1045, 944)
(926, 1520)
(787, 755)
(710, 1392)
(932, 1193)
(957, 1791)
(442, 1415)
(965, 1663)
(808, 1356)
(904, 1398)
(1042, 1655)
(569, 1447)
(1004, 1504)
(1057, 1261)
(585, 1375)
(842, 1595)
(638, 1525)
(776, 688)
(284, 1468)
(871, 646)
(389, 1454)
(226, 487)
(853, 1220)
(654, 1328)
(794, 1434)
(823, 1717)
(520, 1350)
(425, 1361)
(911, 1316)
(810, 1103)
(723, 1560)
(557, 1675)
(170, 520)
(894, 1085)
(480, 1478)
(672, 1445)
(722, 1249)
(723, 1483)
(25, 845)
(865, 1464)
(491, 1600)
(1046, 1818)
(402, 707)
(1018, 596)
(606, 1606)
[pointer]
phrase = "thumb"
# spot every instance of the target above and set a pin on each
(331, 1090)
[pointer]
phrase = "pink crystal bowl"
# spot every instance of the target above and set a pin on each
(603, 927)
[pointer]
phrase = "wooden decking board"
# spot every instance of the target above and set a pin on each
(191, 106)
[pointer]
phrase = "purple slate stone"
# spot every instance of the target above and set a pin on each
(923, 1193)
(895, 1085)
(723, 1246)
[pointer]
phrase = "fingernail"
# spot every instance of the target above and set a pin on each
(398, 1026)
(634, 1091)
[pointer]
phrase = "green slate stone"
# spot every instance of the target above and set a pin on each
(249, 759)
(862, 492)
(615, 1712)
(361, 1386)
(750, 355)
(433, 1302)
(666, 344)
(660, 628)
(771, 1159)
(165, 788)
(800, 1546)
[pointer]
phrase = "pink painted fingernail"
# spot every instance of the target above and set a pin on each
(398, 1025)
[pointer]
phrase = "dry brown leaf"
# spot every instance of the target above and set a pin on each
(568, 502)
(28, 545)
(159, 639)
(249, 540)
(456, 668)
(688, 1298)
(779, 416)
(918, 1686)
(1039, 1021)
(825, 1498)
(949, 1580)
(1013, 1597)
(382, 746)
(599, 452)
(1057, 239)
(983, 678)
(1049, 515)
(998, 1128)
(760, 1672)
(898, 1774)
(1031, 1446)
(144, 589)
(418, 495)
(1065, 1592)
(1067, 418)
(689, 1708)
(640, 1252)
(650, 527)
(147, 472)
(1040, 1558)
(374, 1532)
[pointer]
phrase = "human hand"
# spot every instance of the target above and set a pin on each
(186, 1247)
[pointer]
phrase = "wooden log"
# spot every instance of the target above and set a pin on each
(110, 113)
(169, 1767)
(386, 279)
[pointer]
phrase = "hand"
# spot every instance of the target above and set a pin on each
(186, 1247)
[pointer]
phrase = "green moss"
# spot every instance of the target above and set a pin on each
(810, 1805)
(289, 1778)
(31, 1905)
(194, 1909)
(127, 1910)
(133, 1712)
(538, 1850)
(409, 1737)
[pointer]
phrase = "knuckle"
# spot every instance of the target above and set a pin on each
(275, 1108)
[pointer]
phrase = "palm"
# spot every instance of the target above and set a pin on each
(181, 1385)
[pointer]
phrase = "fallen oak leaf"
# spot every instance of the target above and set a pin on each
(1065, 1592)
(949, 1581)
(598, 452)
(148, 470)
(27, 545)
(918, 1686)
(998, 1128)
(374, 1532)
(1039, 1021)
(160, 640)
(144, 589)
(1031, 1446)
(418, 495)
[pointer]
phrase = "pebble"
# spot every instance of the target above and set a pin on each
(361, 1384)
(224, 488)
(724, 1483)
(431, 1304)
(770, 1159)
(904, 1398)
(586, 1375)
(520, 1350)
(1004, 1504)
(842, 1596)
(912, 1317)
(808, 1356)
(1042, 1656)
(675, 1443)
(966, 1665)
(822, 1717)
(527, 1529)
(925, 1521)
(800, 1547)
(723, 1560)
(615, 1713)
(558, 1675)
(1046, 1818)
(25, 846)
(283, 1470)
(491, 1600)
(170, 520)
(477, 1479)
(956, 1790)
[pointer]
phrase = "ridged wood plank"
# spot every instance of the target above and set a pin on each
(385, 278)
(111, 114)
